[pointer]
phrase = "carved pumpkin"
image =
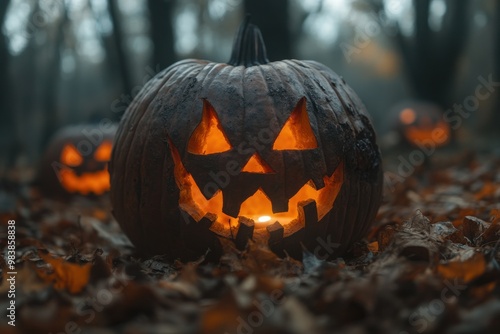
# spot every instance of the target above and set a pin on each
(282, 152)
(421, 123)
(76, 160)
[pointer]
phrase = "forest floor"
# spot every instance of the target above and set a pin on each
(431, 264)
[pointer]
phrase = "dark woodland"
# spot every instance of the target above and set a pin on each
(116, 116)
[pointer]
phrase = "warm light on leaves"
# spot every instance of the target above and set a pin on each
(297, 133)
(464, 270)
(489, 189)
(65, 275)
(373, 247)
(70, 156)
(208, 137)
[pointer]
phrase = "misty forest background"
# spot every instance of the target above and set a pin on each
(72, 61)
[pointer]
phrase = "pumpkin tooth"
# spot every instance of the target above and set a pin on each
(245, 232)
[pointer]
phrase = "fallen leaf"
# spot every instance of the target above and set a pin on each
(65, 275)
(373, 247)
(464, 270)
(488, 190)
(473, 227)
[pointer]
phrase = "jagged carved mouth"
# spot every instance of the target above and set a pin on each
(257, 207)
(94, 182)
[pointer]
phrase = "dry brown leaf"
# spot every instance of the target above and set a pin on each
(473, 227)
(488, 190)
(65, 275)
(373, 247)
(463, 270)
(222, 316)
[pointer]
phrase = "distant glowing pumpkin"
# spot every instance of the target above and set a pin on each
(422, 123)
(76, 161)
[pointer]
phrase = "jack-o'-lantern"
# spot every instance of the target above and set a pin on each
(422, 123)
(76, 161)
(281, 152)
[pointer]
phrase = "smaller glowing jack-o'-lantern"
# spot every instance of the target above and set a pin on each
(75, 161)
(422, 123)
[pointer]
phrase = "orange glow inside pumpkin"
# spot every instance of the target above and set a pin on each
(208, 137)
(297, 133)
(256, 165)
(96, 182)
(70, 156)
(257, 207)
(264, 219)
(103, 153)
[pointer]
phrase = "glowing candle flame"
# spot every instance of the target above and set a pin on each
(264, 219)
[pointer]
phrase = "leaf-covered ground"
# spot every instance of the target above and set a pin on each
(430, 265)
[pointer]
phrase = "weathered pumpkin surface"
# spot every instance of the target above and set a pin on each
(214, 135)
(75, 161)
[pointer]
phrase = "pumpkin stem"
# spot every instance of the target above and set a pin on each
(248, 48)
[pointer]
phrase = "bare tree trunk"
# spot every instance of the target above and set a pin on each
(119, 46)
(419, 65)
(162, 33)
(53, 78)
(4, 55)
(272, 18)
(496, 76)
(430, 58)
(6, 119)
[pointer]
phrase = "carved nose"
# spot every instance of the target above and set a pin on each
(257, 165)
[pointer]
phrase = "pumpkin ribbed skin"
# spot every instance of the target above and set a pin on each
(144, 193)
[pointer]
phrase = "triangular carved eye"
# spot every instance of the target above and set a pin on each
(208, 137)
(103, 153)
(70, 156)
(297, 133)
